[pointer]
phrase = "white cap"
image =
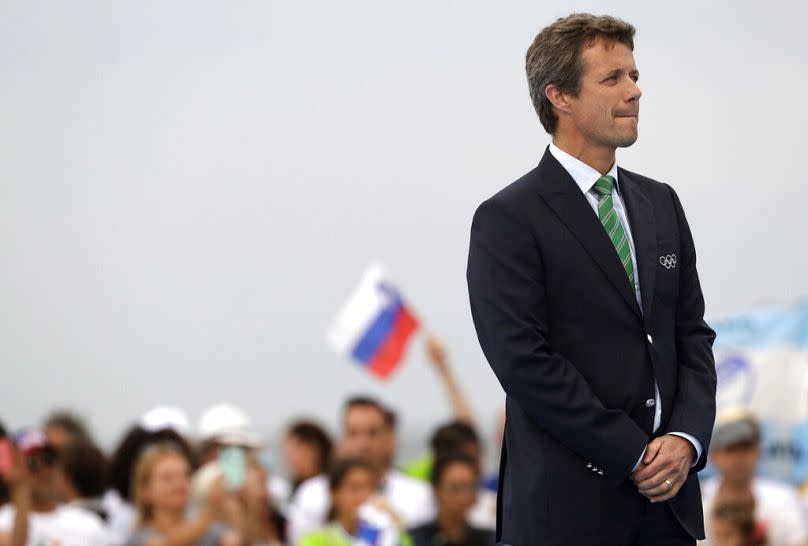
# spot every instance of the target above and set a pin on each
(166, 417)
(227, 424)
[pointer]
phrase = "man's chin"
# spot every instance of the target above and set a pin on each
(627, 141)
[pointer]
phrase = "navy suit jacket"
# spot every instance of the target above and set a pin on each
(560, 326)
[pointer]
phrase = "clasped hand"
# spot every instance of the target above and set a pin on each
(664, 467)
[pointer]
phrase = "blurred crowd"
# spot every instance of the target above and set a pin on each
(740, 507)
(171, 481)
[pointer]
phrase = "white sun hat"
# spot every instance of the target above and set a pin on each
(166, 417)
(227, 424)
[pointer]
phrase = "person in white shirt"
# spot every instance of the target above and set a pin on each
(48, 523)
(369, 435)
(735, 451)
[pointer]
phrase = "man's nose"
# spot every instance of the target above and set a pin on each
(634, 92)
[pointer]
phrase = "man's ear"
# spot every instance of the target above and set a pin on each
(559, 99)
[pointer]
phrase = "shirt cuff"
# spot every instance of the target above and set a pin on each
(636, 466)
(692, 440)
(688, 437)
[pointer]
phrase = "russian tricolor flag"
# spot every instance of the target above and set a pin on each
(374, 326)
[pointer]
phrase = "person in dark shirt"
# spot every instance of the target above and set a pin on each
(454, 480)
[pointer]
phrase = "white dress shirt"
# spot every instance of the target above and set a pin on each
(585, 177)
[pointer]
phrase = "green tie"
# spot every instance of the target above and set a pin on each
(611, 223)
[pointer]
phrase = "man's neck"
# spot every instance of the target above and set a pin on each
(600, 159)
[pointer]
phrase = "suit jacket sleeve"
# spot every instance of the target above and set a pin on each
(693, 409)
(509, 308)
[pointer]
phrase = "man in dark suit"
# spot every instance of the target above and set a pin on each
(584, 293)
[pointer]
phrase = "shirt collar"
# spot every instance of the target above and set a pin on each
(584, 175)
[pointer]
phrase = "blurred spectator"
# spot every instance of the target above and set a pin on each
(735, 525)
(368, 434)
(449, 438)
(63, 426)
(460, 437)
(455, 481)
(227, 425)
(250, 499)
(735, 451)
(137, 439)
(84, 476)
(118, 501)
(269, 524)
(161, 490)
(438, 356)
(35, 493)
(351, 483)
(308, 451)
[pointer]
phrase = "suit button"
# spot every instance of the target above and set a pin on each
(650, 339)
(650, 402)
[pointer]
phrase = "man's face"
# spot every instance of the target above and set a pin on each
(737, 463)
(606, 111)
(366, 435)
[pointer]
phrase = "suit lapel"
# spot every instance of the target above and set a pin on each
(643, 231)
(564, 197)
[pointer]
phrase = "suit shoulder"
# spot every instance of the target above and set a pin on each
(650, 186)
(516, 195)
(645, 181)
(519, 188)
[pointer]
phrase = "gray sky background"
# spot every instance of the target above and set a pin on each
(190, 190)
